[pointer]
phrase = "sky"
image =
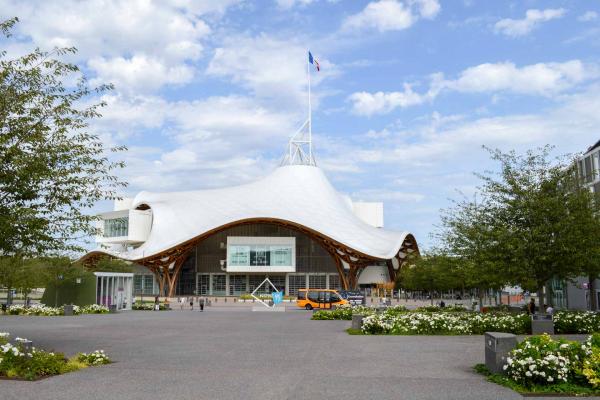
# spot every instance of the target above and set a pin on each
(207, 93)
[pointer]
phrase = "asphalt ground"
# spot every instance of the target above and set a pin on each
(240, 354)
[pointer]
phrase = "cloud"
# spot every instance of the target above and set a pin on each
(271, 68)
(533, 18)
(588, 16)
(542, 79)
(139, 73)
(130, 35)
(391, 15)
(287, 4)
(365, 103)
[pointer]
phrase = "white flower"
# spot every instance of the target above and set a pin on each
(527, 373)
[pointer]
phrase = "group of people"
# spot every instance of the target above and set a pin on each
(531, 308)
(200, 301)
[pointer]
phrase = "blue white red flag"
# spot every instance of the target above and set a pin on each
(313, 61)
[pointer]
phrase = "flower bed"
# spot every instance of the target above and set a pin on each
(19, 362)
(345, 312)
(576, 322)
(419, 323)
(43, 310)
(147, 306)
(540, 364)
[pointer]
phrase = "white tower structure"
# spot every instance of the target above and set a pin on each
(299, 151)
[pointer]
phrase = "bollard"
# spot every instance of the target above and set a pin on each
(542, 323)
(357, 320)
(68, 309)
(497, 347)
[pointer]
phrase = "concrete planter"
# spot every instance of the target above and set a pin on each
(68, 309)
(542, 323)
(357, 320)
(497, 347)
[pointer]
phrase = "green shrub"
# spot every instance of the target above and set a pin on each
(576, 322)
(97, 357)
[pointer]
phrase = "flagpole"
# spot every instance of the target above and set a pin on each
(309, 114)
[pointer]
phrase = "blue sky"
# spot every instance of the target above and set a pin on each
(207, 93)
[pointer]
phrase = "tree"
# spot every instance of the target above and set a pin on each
(52, 168)
(530, 224)
(109, 264)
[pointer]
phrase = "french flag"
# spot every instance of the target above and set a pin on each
(313, 61)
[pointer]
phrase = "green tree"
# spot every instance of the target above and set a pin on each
(52, 168)
(529, 225)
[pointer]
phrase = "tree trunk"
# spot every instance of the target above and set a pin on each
(592, 289)
(540, 294)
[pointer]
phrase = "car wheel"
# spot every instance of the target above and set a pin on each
(308, 307)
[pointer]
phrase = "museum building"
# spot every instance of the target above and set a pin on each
(291, 226)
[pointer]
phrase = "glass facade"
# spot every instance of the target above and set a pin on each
(317, 282)
(202, 284)
(116, 227)
(259, 255)
(296, 282)
(237, 285)
(218, 284)
(144, 285)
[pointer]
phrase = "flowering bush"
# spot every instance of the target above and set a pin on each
(346, 312)
(419, 323)
(576, 322)
(450, 308)
(147, 306)
(91, 309)
(543, 361)
(17, 361)
(43, 310)
(97, 357)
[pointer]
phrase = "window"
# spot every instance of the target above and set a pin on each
(116, 227)
(218, 285)
(334, 282)
(313, 296)
(317, 282)
(301, 295)
(255, 281)
(237, 284)
(589, 175)
(259, 255)
(148, 284)
(278, 281)
(296, 282)
(334, 298)
(202, 288)
(138, 284)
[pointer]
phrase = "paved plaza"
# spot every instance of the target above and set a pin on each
(233, 353)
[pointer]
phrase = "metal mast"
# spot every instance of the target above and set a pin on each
(299, 150)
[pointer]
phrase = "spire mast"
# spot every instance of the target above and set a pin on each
(309, 111)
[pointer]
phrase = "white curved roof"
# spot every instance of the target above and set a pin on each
(300, 194)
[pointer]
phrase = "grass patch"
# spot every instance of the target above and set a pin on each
(352, 331)
(566, 389)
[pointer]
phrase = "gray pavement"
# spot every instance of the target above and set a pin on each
(241, 354)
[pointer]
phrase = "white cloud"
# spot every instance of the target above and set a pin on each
(163, 35)
(365, 103)
(533, 18)
(391, 15)
(269, 67)
(543, 79)
(139, 73)
(287, 4)
(588, 16)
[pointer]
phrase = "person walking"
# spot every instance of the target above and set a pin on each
(531, 307)
(156, 304)
(202, 300)
(192, 303)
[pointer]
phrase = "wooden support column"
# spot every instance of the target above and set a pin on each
(391, 270)
(174, 276)
(341, 272)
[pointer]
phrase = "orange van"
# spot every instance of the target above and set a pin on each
(319, 298)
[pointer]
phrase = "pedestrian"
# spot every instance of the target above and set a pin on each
(192, 303)
(442, 304)
(156, 304)
(531, 307)
(549, 309)
(202, 304)
(181, 302)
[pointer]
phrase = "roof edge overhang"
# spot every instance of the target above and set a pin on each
(184, 246)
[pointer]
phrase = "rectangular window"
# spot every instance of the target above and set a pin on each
(138, 284)
(317, 282)
(260, 254)
(589, 176)
(203, 281)
(255, 281)
(148, 284)
(296, 282)
(218, 285)
(237, 285)
(116, 227)
(334, 282)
